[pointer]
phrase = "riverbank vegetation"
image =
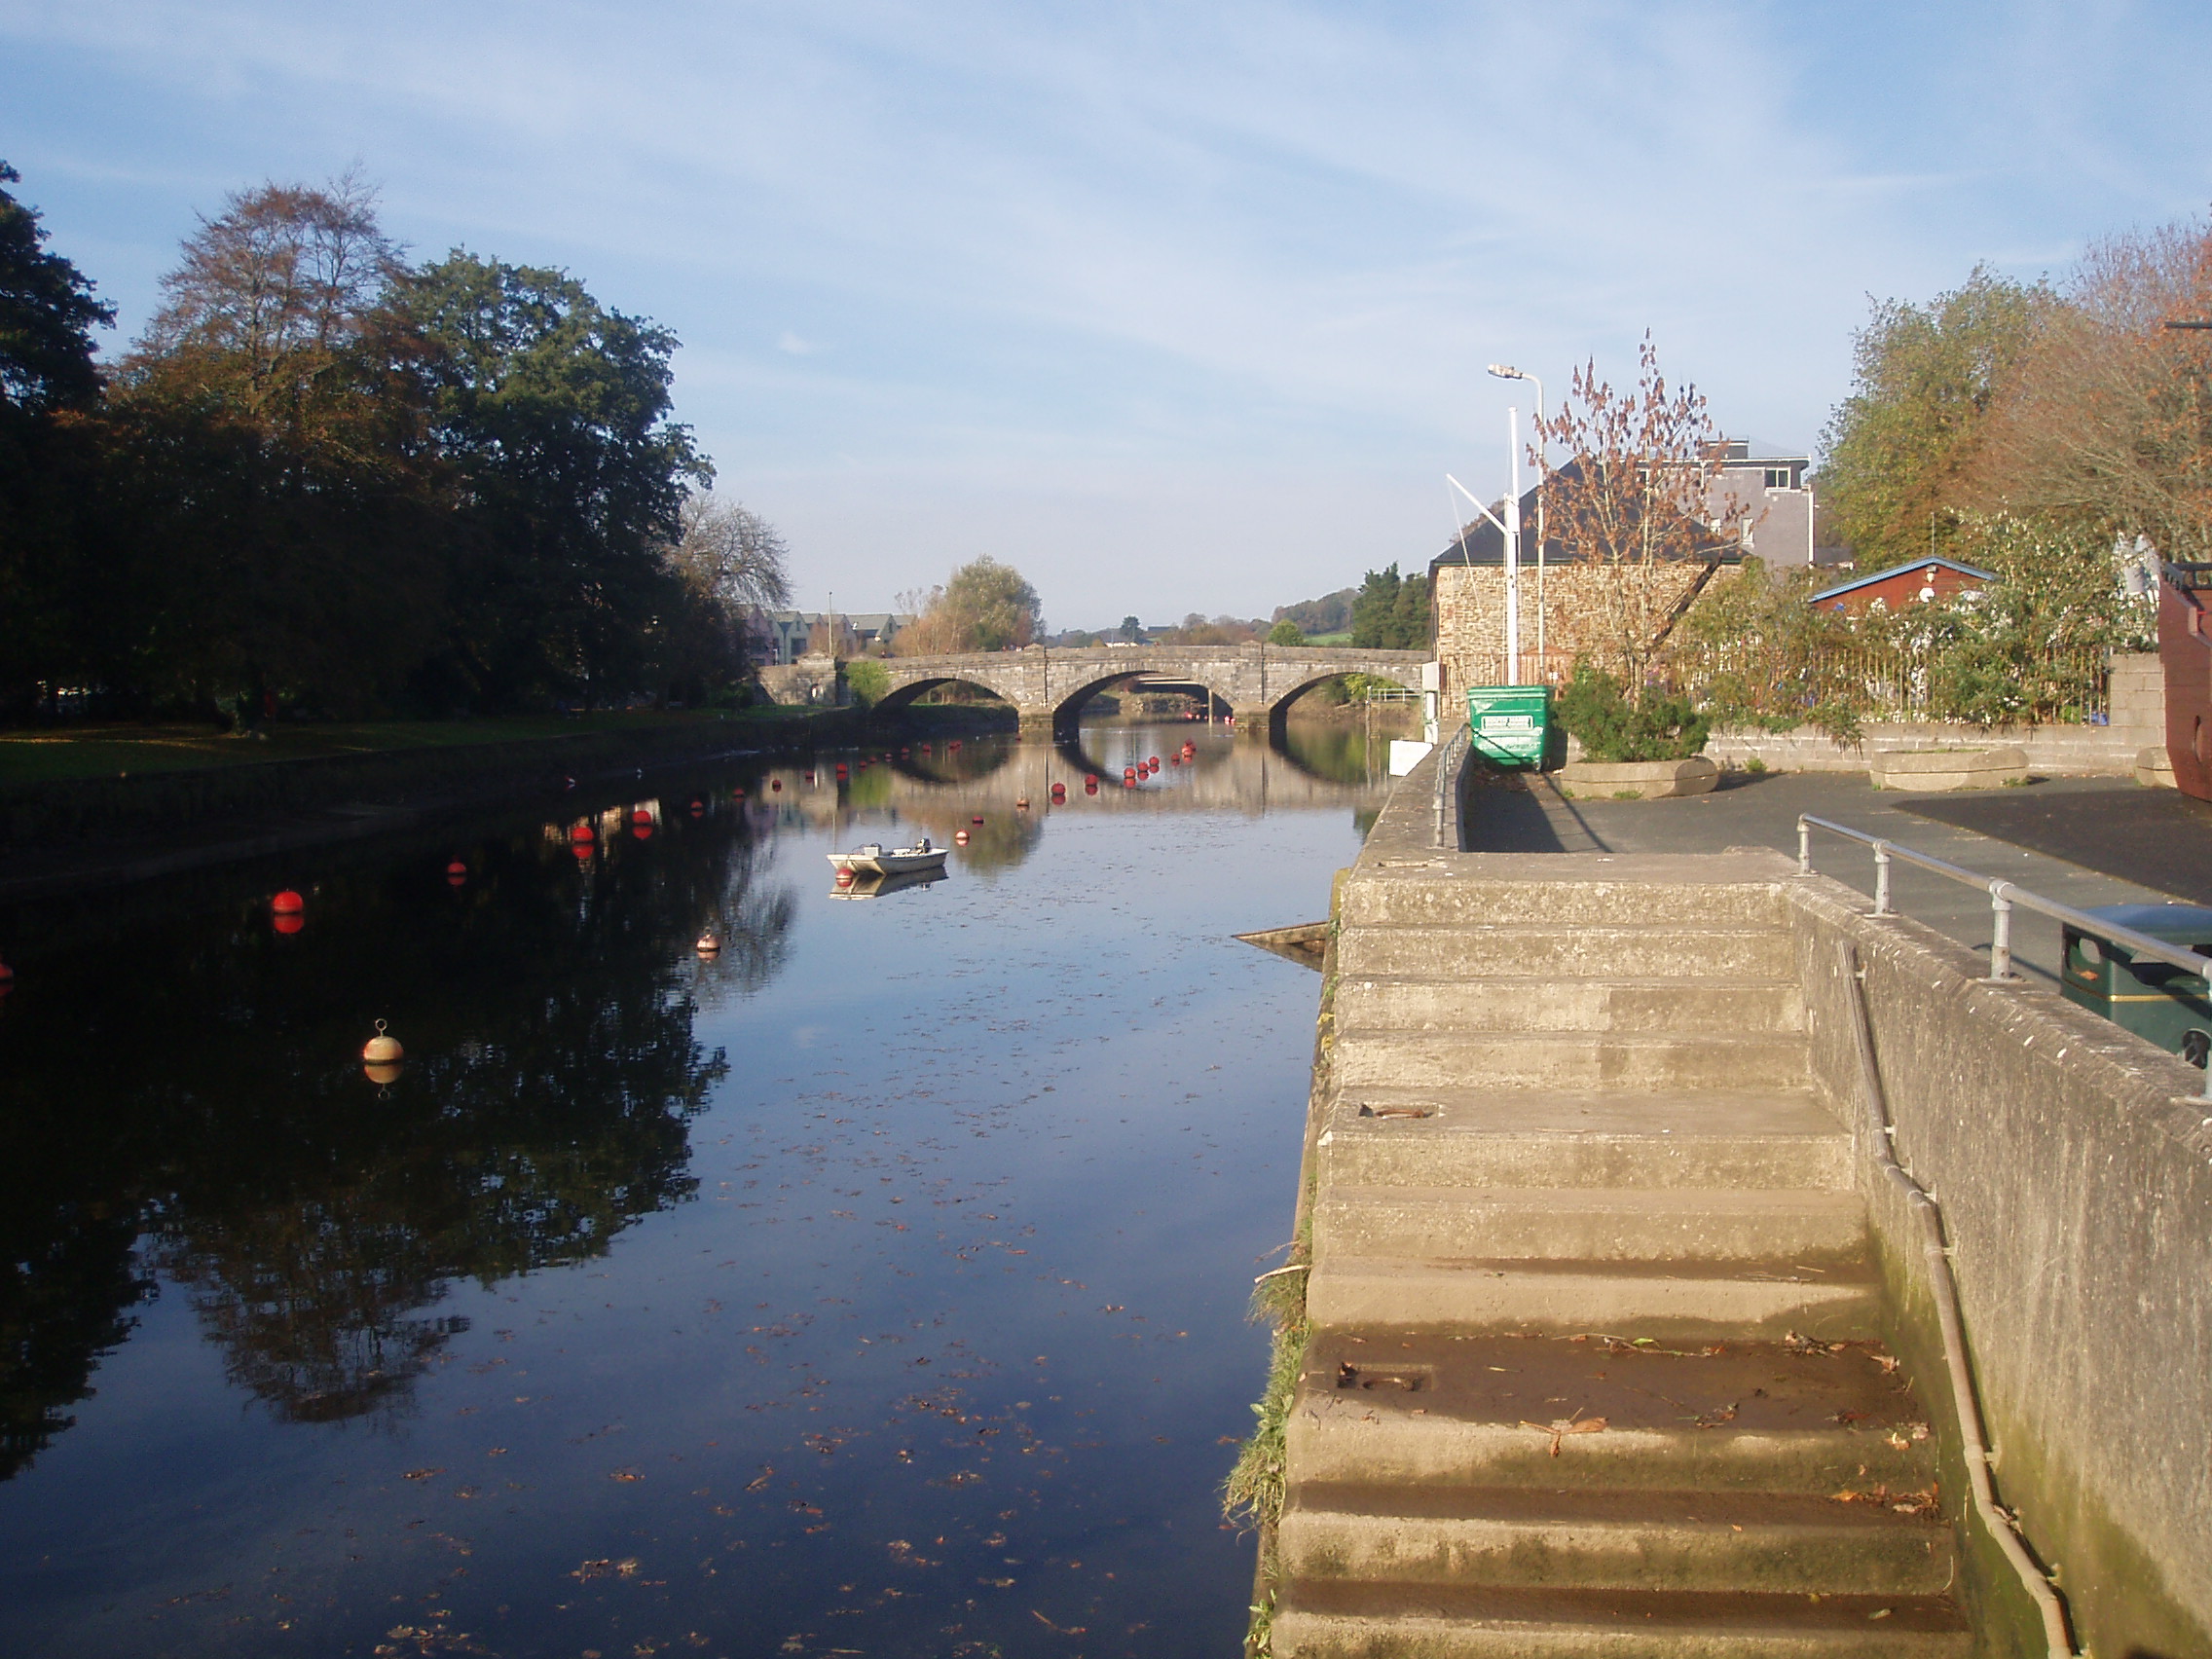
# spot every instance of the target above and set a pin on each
(326, 481)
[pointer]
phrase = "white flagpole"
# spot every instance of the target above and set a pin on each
(1513, 548)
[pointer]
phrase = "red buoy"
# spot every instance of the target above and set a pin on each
(977, 819)
(642, 831)
(641, 815)
(1060, 790)
(1154, 762)
(288, 922)
(6, 974)
(287, 903)
(776, 784)
(737, 793)
(583, 832)
(457, 867)
(1090, 788)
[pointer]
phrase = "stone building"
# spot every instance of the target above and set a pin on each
(1569, 606)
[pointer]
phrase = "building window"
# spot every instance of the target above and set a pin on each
(1778, 478)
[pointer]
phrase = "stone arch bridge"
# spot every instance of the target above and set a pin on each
(1049, 686)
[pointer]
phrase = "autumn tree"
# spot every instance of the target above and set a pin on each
(2105, 426)
(270, 444)
(1634, 494)
(983, 606)
(1901, 448)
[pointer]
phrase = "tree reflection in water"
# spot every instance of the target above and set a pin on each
(315, 1219)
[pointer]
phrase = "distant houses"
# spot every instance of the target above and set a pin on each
(783, 637)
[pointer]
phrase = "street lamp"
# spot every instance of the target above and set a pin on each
(1506, 371)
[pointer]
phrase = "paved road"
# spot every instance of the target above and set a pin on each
(2083, 842)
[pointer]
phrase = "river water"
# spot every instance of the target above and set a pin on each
(876, 1287)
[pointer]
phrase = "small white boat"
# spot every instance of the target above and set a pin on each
(873, 859)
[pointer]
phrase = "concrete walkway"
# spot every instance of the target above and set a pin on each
(2058, 837)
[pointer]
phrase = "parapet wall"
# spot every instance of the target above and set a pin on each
(2074, 1172)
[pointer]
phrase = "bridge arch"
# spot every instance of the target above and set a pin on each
(1049, 686)
(907, 691)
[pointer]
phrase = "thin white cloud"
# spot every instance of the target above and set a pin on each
(1189, 297)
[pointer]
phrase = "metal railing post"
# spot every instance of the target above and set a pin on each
(1882, 879)
(1804, 847)
(1999, 933)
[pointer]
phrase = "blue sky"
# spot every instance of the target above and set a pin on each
(1176, 308)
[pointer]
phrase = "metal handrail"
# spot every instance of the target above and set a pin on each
(1447, 774)
(2003, 897)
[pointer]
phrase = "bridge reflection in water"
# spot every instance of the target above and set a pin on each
(929, 788)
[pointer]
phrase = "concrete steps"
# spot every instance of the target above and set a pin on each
(1400, 1002)
(1404, 1621)
(1558, 1059)
(1610, 1539)
(1574, 1174)
(1632, 952)
(1586, 1223)
(1675, 1301)
(1591, 1137)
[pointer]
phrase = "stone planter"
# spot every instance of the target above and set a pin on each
(1932, 769)
(2155, 767)
(1639, 780)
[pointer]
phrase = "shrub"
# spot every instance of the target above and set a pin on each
(867, 679)
(1659, 726)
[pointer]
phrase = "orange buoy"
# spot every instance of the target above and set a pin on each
(382, 1050)
(960, 836)
(287, 903)
(708, 943)
(1021, 803)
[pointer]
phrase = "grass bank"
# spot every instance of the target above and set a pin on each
(66, 786)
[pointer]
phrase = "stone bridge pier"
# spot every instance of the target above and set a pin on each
(1048, 688)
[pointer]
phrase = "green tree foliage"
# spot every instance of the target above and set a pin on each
(1131, 629)
(1331, 613)
(328, 481)
(552, 410)
(1286, 633)
(1658, 725)
(46, 463)
(47, 317)
(868, 680)
(1901, 449)
(1391, 613)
